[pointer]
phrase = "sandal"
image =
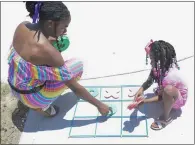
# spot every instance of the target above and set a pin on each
(160, 124)
(135, 104)
(49, 112)
(112, 110)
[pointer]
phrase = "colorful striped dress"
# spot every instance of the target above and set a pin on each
(24, 76)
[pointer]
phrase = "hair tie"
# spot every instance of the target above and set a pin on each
(148, 46)
(147, 49)
(36, 12)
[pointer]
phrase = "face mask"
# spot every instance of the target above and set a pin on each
(62, 44)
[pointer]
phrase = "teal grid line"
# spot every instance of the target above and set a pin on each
(91, 136)
(146, 122)
(97, 117)
(121, 111)
(117, 86)
(102, 116)
(73, 119)
(100, 92)
(103, 136)
(110, 100)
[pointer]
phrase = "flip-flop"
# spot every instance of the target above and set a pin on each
(112, 110)
(139, 99)
(136, 103)
(133, 105)
(93, 91)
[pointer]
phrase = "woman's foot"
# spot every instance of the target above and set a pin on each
(51, 111)
(160, 123)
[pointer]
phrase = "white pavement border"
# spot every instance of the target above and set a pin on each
(110, 38)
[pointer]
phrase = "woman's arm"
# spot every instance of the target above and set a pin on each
(80, 91)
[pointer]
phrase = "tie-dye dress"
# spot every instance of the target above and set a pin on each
(24, 75)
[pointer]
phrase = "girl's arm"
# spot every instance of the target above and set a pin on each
(148, 82)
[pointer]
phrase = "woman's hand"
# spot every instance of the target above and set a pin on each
(81, 92)
(103, 109)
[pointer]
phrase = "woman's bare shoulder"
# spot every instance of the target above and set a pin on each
(35, 47)
(43, 54)
(22, 24)
(25, 22)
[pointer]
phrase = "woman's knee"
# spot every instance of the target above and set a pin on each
(75, 64)
(78, 68)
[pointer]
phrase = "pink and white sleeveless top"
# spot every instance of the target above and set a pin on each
(174, 77)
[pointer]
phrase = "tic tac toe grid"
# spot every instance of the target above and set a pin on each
(118, 118)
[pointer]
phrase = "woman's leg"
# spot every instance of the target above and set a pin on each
(30, 101)
(49, 111)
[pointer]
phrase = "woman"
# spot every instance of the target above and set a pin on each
(37, 72)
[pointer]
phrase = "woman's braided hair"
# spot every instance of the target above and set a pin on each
(49, 10)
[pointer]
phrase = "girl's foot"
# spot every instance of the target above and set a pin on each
(160, 123)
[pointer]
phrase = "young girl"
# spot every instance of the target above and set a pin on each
(172, 89)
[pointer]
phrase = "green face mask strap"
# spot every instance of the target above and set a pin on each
(57, 46)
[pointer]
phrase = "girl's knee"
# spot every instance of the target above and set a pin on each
(170, 91)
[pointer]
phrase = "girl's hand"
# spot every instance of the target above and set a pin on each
(138, 94)
(160, 92)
